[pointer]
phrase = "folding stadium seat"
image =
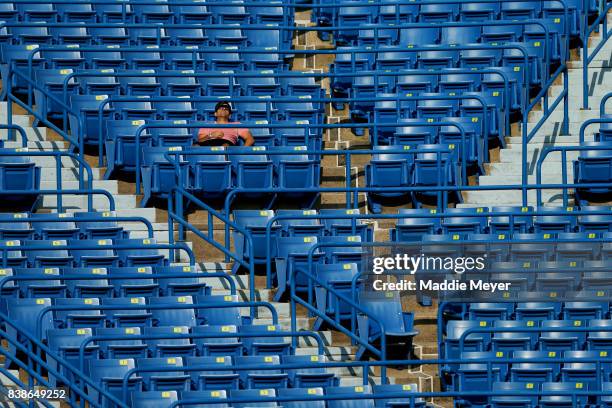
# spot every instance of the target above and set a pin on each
(129, 317)
(41, 254)
(8, 12)
(120, 144)
(215, 373)
(255, 222)
(605, 400)
(509, 224)
(585, 310)
(217, 346)
(396, 389)
(521, 10)
(577, 246)
(36, 11)
(175, 110)
(264, 345)
(292, 262)
(348, 63)
(108, 374)
(557, 276)
(14, 258)
(251, 394)
(20, 312)
(472, 375)
(296, 136)
(257, 111)
(419, 36)
(152, 13)
(304, 395)
(263, 378)
(566, 399)
(206, 395)
(169, 316)
(89, 107)
(594, 222)
(183, 84)
(194, 13)
(147, 35)
(105, 84)
(599, 341)
(170, 346)
(133, 281)
(490, 312)
(411, 131)
(121, 348)
(388, 12)
(102, 225)
(309, 377)
(352, 15)
(16, 56)
(289, 110)
(79, 11)
(388, 170)
(459, 35)
(163, 380)
(512, 341)
(210, 174)
(145, 58)
(501, 33)
(68, 58)
(436, 108)
(518, 399)
(10, 229)
(394, 59)
(224, 14)
(431, 162)
(537, 310)
(106, 35)
(46, 228)
(209, 314)
(143, 82)
(341, 253)
(472, 342)
(532, 247)
(71, 35)
(555, 223)
(593, 167)
(137, 253)
(350, 393)
(433, 13)
(172, 135)
(305, 84)
(224, 37)
(187, 36)
(78, 318)
(365, 88)
(528, 372)
(371, 35)
(5, 37)
(561, 341)
(258, 85)
(107, 57)
(303, 227)
(229, 59)
(465, 220)
(45, 287)
(413, 228)
(480, 58)
(185, 286)
(339, 277)
(65, 343)
(114, 13)
(342, 226)
(154, 399)
(398, 325)
(297, 171)
(478, 11)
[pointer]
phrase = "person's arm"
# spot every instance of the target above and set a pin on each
(248, 138)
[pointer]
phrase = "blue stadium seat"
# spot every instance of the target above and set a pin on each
(263, 378)
(302, 393)
(20, 312)
(465, 220)
(133, 281)
(398, 325)
(388, 170)
(310, 226)
(127, 317)
(413, 228)
(264, 345)
(139, 254)
(195, 13)
(210, 174)
(346, 226)
(255, 222)
(46, 256)
(37, 11)
(430, 163)
(215, 373)
(88, 106)
(171, 346)
(528, 372)
(21, 177)
(159, 176)
(170, 316)
(185, 286)
(163, 380)
(309, 377)
(108, 374)
(565, 400)
(513, 341)
(561, 341)
(65, 343)
(99, 225)
(509, 224)
(45, 287)
(529, 398)
(217, 346)
(395, 389)
(107, 35)
(76, 318)
(592, 166)
(154, 399)
(124, 348)
(350, 392)
(104, 84)
(204, 395)
(473, 375)
(46, 228)
(292, 262)
(339, 277)
(250, 394)
(217, 316)
(9, 229)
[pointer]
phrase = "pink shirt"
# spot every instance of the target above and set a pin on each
(229, 134)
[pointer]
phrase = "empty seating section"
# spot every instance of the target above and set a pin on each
(429, 87)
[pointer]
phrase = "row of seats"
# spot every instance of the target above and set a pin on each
(163, 12)
(180, 83)
(95, 252)
(164, 399)
(482, 220)
(111, 281)
(87, 35)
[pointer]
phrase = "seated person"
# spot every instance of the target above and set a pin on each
(224, 136)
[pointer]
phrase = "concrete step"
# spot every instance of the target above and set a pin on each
(148, 213)
(37, 145)
(112, 186)
(510, 197)
(576, 115)
(35, 134)
(511, 169)
(68, 174)
(533, 153)
(514, 179)
(543, 137)
(122, 201)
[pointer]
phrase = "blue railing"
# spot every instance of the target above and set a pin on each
(587, 57)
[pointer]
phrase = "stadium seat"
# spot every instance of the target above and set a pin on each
(217, 346)
(123, 348)
(171, 346)
(263, 378)
(309, 377)
(108, 374)
(350, 393)
(163, 380)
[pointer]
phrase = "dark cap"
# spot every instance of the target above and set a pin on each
(223, 104)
